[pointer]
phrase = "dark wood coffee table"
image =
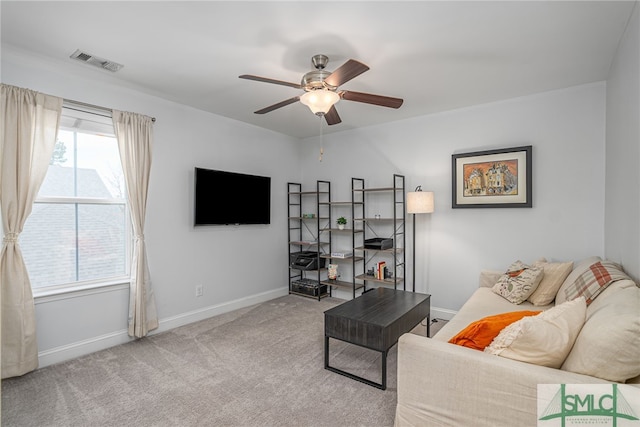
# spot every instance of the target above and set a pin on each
(375, 320)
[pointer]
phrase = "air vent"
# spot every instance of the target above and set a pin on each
(87, 58)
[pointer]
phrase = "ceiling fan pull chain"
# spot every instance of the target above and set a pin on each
(321, 116)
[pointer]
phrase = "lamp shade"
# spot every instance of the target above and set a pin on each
(320, 101)
(420, 202)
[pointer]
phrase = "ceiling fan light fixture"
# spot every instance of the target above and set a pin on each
(320, 101)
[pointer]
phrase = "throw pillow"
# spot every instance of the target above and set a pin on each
(594, 280)
(579, 267)
(479, 334)
(545, 339)
(608, 344)
(519, 281)
(554, 275)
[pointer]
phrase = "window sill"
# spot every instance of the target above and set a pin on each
(73, 291)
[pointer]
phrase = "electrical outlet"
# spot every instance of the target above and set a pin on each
(199, 290)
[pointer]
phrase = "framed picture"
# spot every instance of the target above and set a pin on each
(492, 179)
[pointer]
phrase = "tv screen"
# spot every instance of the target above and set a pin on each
(223, 198)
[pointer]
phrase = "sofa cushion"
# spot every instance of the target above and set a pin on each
(545, 339)
(594, 280)
(518, 282)
(608, 344)
(554, 275)
(479, 334)
(482, 303)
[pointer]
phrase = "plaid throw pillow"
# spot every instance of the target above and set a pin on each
(594, 280)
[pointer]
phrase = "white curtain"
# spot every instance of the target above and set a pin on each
(28, 129)
(135, 136)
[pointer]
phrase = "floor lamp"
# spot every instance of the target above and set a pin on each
(418, 202)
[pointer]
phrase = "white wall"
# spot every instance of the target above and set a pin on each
(622, 207)
(566, 129)
(235, 264)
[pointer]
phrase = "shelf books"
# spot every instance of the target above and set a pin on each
(381, 266)
(341, 254)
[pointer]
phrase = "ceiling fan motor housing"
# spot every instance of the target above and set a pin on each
(315, 80)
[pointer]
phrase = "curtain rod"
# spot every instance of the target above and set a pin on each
(97, 107)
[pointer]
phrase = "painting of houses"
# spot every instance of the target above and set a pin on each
(491, 178)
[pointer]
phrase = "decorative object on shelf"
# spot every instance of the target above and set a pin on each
(342, 221)
(341, 254)
(378, 243)
(308, 215)
(418, 202)
(492, 179)
(380, 271)
(309, 287)
(333, 272)
(381, 267)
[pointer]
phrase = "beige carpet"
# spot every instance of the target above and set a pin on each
(258, 366)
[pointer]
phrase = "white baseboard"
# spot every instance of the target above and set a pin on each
(214, 310)
(81, 348)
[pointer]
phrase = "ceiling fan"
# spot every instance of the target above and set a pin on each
(321, 89)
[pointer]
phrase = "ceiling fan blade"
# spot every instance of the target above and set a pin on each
(278, 105)
(332, 117)
(346, 72)
(367, 98)
(266, 80)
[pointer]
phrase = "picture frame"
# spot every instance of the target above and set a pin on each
(492, 179)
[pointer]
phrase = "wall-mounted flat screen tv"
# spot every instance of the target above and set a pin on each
(224, 198)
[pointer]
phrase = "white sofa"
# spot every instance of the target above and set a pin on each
(444, 384)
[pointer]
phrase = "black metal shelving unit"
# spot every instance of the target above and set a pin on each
(312, 232)
(342, 254)
(307, 215)
(391, 225)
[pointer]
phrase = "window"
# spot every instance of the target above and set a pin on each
(78, 231)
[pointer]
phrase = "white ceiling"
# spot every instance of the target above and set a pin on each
(436, 55)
